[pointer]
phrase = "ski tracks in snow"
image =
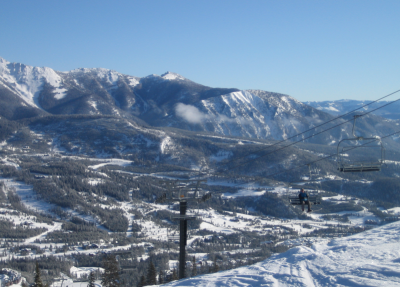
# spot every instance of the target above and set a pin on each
(370, 258)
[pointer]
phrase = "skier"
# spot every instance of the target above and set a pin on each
(303, 196)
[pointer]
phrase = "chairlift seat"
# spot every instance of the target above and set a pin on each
(360, 167)
(348, 165)
(296, 200)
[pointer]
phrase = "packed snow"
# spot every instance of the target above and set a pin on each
(370, 258)
(113, 161)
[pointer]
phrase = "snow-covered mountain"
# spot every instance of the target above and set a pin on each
(340, 107)
(371, 258)
(95, 145)
(169, 100)
(251, 113)
(80, 91)
(27, 81)
(96, 91)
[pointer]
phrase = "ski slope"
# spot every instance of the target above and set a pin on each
(370, 258)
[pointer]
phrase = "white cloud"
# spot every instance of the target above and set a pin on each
(194, 116)
(190, 113)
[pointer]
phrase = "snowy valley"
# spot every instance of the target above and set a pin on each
(86, 155)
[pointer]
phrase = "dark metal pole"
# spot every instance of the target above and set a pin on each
(182, 241)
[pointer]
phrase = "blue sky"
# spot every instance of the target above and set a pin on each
(310, 50)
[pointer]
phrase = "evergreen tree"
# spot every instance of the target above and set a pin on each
(215, 267)
(110, 277)
(174, 275)
(151, 274)
(91, 280)
(142, 281)
(194, 267)
(161, 277)
(38, 279)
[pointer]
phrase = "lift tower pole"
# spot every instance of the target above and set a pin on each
(183, 236)
(182, 239)
(183, 218)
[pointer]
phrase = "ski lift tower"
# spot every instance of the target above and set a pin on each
(181, 187)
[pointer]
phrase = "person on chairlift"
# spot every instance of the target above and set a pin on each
(303, 196)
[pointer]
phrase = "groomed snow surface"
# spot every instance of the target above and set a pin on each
(370, 258)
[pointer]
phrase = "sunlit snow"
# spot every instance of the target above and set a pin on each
(27, 81)
(370, 258)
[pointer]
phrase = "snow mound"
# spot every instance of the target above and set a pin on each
(371, 258)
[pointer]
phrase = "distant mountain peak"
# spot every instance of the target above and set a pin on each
(107, 75)
(93, 70)
(172, 76)
(168, 76)
(27, 81)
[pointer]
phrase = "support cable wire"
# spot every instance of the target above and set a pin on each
(318, 133)
(309, 163)
(279, 149)
(313, 128)
(332, 155)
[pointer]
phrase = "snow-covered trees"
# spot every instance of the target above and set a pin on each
(91, 280)
(151, 274)
(38, 280)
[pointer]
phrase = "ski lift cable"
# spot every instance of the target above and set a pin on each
(299, 166)
(279, 149)
(318, 133)
(311, 136)
(333, 155)
(219, 173)
(313, 128)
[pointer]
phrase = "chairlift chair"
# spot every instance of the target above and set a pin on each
(351, 165)
(313, 196)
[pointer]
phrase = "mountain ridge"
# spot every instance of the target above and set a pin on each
(169, 100)
(90, 163)
(340, 107)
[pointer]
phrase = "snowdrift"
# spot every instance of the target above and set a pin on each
(371, 258)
